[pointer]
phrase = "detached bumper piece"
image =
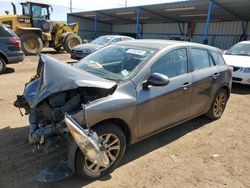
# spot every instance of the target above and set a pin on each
(89, 142)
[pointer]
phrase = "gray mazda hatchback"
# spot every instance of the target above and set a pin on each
(120, 95)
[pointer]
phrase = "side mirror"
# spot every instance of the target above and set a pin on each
(156, 79)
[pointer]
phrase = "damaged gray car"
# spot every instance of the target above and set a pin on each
(121, 94)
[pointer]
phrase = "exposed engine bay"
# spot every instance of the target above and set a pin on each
(46, 119)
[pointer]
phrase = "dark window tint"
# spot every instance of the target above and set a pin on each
(218, 58)
(200, 59)
(116, 40)
(4, 32)
(125, 38)
(172, 64)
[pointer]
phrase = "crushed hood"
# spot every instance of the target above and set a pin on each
(56, 76)
(237, 60)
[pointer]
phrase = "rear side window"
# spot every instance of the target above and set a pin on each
(200, 59)
(217, 58)
(4, 32)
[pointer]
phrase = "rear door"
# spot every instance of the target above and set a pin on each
(205, 75)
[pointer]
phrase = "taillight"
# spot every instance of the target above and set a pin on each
(15, 41)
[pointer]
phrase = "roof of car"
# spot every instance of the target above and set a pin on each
(115, 36)
(246, 42)
(160, 44)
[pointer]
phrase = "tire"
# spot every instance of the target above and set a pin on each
(215, 111)
(82, 165)
(31, 44)
(2, 65)
(71, 41)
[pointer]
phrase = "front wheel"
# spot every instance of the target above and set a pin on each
(218, 106)
(115, 144)
(71, 41)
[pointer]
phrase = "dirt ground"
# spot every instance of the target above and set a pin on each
(199, 153)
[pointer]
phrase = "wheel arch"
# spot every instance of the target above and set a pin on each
(4, 57)
(121, 124)
(24, 30)
(227, 89)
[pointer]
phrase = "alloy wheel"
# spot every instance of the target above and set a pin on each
(219, 104)
(113, 146)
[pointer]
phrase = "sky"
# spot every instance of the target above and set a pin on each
(61, 7)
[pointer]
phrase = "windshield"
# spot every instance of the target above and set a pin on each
(102, 40)
(115, 62)
(239, 49)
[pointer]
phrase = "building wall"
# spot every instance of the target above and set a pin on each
(87, 28)
(221, 34)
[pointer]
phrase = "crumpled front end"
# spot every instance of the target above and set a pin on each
(58, 88)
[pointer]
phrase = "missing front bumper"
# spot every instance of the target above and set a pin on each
(89, 142)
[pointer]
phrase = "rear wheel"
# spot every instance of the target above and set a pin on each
(115, 144)
(2, 65)
(31, 44)
(71, 41)
(218, 106)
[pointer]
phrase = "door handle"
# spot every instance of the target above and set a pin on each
(216, 75)
(186, 85)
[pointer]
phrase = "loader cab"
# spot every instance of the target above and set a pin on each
(39, 14)
(36, 10)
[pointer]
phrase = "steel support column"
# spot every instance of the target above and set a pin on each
(138, 28)
(210, 6)
(95, 25)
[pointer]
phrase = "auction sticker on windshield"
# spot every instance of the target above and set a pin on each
(136, 52)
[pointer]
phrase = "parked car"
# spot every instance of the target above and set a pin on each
(10, 47)
(238, 57)
(83, 50)
(122, 94)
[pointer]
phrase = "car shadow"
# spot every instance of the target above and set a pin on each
(21, 166)
(53, 52)
(8, 70)
(240, 89)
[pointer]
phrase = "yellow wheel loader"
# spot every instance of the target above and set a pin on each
(37, 31)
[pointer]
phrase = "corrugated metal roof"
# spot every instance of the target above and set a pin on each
(181, 11)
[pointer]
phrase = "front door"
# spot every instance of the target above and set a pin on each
(159, 107)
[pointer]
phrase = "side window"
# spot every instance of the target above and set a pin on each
(172, 64)
(4, 32)
(200, 59)
(125, 39)
(115, 40)
(217, 58)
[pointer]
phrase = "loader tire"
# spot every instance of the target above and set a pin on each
(71, 41)
(31, 44)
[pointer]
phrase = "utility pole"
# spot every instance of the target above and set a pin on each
(70, 6)
(126, 3)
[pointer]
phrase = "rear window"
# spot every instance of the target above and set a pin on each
(6, 32)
